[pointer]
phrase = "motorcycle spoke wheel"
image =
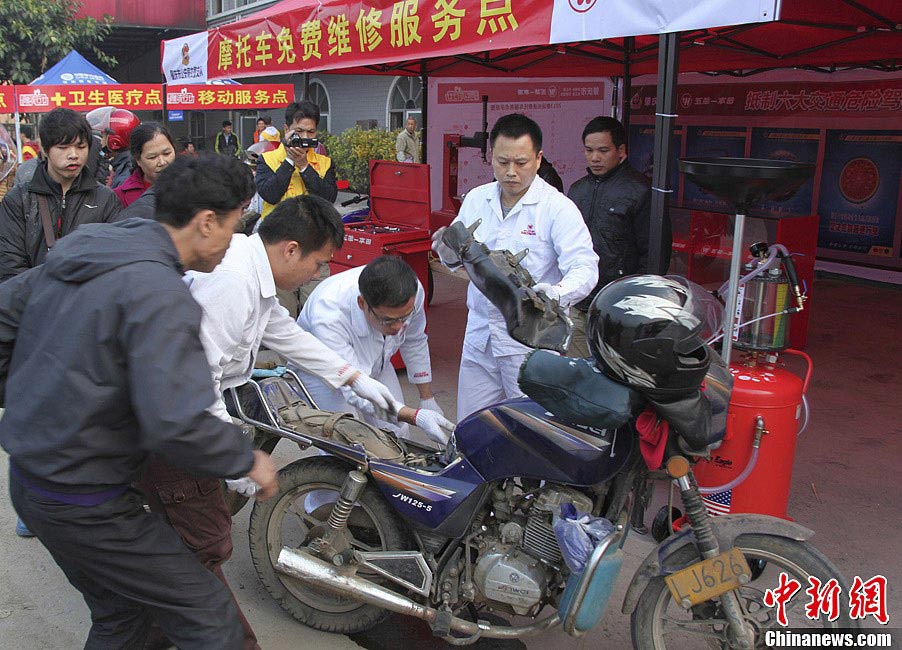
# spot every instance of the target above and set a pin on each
(660, 623)
(294, 517)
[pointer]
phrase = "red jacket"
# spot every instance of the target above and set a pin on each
(131, 188)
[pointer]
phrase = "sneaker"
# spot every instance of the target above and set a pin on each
(22, 529)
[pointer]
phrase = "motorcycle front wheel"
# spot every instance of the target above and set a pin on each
(308, 488)
(660, 623)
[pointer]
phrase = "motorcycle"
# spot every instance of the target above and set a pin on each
(381, 525)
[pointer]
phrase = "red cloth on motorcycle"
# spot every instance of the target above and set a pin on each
(653, 433)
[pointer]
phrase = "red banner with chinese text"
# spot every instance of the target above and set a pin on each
(878, 98)
(340, 34)
(135, 97)
(541, 91)
(249, 96)
(7, 99)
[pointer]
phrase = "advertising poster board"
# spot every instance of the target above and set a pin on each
(561, 107)
(793, 145)
(859, 191)
(641, 153)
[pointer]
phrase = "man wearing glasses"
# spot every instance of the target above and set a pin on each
(366, 315)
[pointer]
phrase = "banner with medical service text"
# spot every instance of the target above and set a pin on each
(135, 97)
(248, 96)
(7, 99)
(311, 35)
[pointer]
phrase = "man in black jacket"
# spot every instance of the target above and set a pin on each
(615, 202)
(62, 188)
(102, 364)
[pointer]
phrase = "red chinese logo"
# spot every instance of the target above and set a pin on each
(582, 6)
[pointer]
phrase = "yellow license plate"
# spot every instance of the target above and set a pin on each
(709, 578)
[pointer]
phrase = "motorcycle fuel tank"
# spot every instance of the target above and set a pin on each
(520, 438)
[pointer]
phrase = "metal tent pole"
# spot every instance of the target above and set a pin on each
(665, 116)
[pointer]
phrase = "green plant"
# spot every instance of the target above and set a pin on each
(35, 34)
(352, 151)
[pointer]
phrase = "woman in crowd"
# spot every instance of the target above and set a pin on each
(152, 150)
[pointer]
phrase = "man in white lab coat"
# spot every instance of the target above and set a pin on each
(518, 211)
(366, 315)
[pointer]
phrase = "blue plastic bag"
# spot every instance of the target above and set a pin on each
(578, 534)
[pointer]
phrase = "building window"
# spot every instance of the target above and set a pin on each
(405, 99)
(317, 94)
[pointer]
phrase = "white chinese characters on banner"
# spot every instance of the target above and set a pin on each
(185, 59)
(583, 20)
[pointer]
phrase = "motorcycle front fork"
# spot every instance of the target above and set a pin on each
(741, 633)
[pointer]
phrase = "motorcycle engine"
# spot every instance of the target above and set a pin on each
(522, 558)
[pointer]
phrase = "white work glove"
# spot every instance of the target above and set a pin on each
(431, 405)
(435, 425)
(361, 405)
(245, 486)
(553, 292)
(448, 257)
(385, 405)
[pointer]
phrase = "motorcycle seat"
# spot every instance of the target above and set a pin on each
(576, 391)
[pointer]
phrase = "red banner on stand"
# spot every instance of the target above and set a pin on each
(878, 98)
(135, 97)
(344, 33)
(249, 96)
(7, 99)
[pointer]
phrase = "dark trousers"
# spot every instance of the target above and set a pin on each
(132, 568)
(197, 511)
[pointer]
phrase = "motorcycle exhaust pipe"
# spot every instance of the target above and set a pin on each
(318, 573)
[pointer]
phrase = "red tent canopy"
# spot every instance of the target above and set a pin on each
(822, 34)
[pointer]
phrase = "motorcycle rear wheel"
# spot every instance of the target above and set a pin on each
(659, 622)
(288, 519)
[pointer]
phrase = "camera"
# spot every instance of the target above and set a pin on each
(304, 143)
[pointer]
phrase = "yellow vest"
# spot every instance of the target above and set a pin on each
(296, 187)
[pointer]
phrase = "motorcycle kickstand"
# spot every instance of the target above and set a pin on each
(642, 489)
(333, 546)
(742, 633)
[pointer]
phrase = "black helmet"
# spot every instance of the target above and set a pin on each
(645, 331)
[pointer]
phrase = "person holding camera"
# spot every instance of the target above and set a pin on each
(295, 168)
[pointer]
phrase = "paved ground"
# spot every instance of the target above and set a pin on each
(846, 487)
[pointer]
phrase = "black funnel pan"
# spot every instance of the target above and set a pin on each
(745, 182)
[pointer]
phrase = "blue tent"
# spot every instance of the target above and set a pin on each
(73, 69)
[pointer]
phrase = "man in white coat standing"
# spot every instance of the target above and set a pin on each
(366, 315)
(518, 211)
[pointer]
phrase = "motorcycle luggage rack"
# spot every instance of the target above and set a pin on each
(276, 427)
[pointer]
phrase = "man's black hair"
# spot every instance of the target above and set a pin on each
(604, 124)
(63, 126)
(206, 182)
(309, 220)
(27, 131)
(387, 281)
(300, 111)
(144, 133)
(226, 123)
(267, 120)
(516, 125)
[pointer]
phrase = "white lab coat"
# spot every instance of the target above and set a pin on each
(332, 314)
(241, 312)
(560, 253)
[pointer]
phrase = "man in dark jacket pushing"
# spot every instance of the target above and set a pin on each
(102, 362)
(62, 195)
(615, 201)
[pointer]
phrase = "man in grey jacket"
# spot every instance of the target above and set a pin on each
(102, 364)
(615, 202)
(62, 187)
